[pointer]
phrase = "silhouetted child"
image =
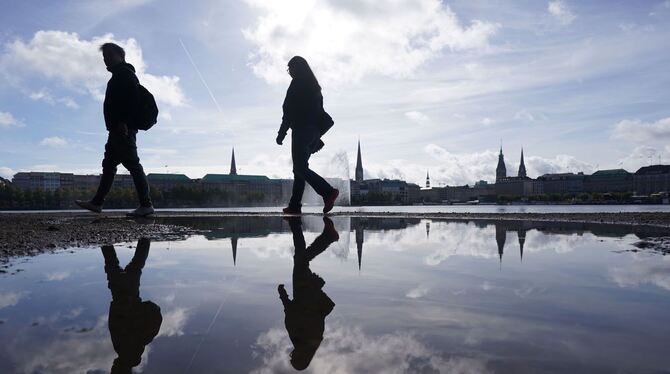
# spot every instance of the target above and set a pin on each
(305, 314)
(133, 323)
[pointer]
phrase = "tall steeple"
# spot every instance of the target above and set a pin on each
(359, 243)
(427, 180)
(521, 233)
(233, 168)
(359, 165)
(522, 167)
(501, 171)
(501, 234)
(233, 242)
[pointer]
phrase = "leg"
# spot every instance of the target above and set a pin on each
(300, 151)
(109, 163)
(111, 261)
(140, 256)
(131, 161)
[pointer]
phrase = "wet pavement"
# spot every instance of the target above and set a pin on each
(365, 295)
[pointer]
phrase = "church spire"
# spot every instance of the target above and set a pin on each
(522, 167)
(501, 170)
(359, 165)
(233, 242)
(233, 168)
(359, 243)
(427, 180)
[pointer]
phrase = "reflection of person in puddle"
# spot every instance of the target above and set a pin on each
(306, 313)
(133, 323)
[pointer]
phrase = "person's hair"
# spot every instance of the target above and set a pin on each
(114, 49)
(301, 70)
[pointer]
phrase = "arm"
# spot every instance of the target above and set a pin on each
(288, 113)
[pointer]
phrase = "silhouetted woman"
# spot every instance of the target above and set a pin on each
(303, 113)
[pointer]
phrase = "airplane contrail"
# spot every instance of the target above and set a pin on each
(202, 79)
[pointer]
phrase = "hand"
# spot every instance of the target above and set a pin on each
(280, 139)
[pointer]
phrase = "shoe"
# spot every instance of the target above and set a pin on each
(329, 202)
(329, 229)
(142, 211)
(292, 210)
(89, 206)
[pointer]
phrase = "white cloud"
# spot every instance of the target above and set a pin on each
(348, 40)
(417, 117)
(6, 172)
(77, 64)
(54, 141)
(642, 155)
(644, 270)
(10, 299)
(561, 12)
(487, 121)
(350, 350)
(524, 115)
(418, 291)
(174, 322)
(467, 168)
(8, 120)
(58, 275)
(639, 131)
(46, 96)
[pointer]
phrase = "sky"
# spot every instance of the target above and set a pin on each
(426, 85)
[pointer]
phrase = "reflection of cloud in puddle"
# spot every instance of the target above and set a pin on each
(11, 298)
(528, 290)
(350, 350)
(644, 269)
(174, 322)
(57, 275)
(417, 292)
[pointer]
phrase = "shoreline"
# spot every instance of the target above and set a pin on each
(29, 234)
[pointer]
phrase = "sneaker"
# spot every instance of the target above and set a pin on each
(329, 229)
(292, 210)
(89, 206)
(329, 202)
(142, 211)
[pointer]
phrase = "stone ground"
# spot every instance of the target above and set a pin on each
(28, 234)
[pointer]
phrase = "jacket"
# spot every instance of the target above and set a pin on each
(121, 96)
(303, 107)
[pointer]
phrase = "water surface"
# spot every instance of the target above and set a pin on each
(390, 295)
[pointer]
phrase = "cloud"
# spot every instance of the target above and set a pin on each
(417, 117)
(467, 168)
(487, 121)
(639, 131)
(644, 270)
(642, 155)
(47, 97)
(350, 350)
(8, 120)
(174, 322)
(77, 64)
(54, 141)
(58, 275)
(524, 115)
(418, 292)
(10, 298)
(6, 172)
(561, 12)
(349, 40)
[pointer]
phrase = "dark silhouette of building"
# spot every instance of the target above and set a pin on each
(305, 315)
(652, 179)
(522, 167)
(167, 182)
(233, 168)
(133, 323)
(359, 165)
(501, 170)
(613, 180)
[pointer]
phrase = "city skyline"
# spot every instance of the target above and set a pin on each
(580, 86)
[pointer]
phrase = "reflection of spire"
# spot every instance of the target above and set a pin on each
(521, 233)
(359, 243)
(500, 240)
(233, 167)
(233, 241)
(427, 229)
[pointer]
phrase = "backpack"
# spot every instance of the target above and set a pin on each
(147, 110)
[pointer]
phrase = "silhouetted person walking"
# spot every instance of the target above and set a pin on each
(304, 114)
(305, 315)
(133, 323)
(120, 107)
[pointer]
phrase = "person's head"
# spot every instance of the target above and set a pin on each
(112, 54)
(298, 68)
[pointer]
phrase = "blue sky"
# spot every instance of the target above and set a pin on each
(426, 85)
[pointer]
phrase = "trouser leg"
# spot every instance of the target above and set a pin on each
(110, 161)
(300, 153)
(131, 161)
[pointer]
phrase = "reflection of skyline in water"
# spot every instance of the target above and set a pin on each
(579, 302)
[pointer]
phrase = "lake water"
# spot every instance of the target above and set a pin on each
(390, 295)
